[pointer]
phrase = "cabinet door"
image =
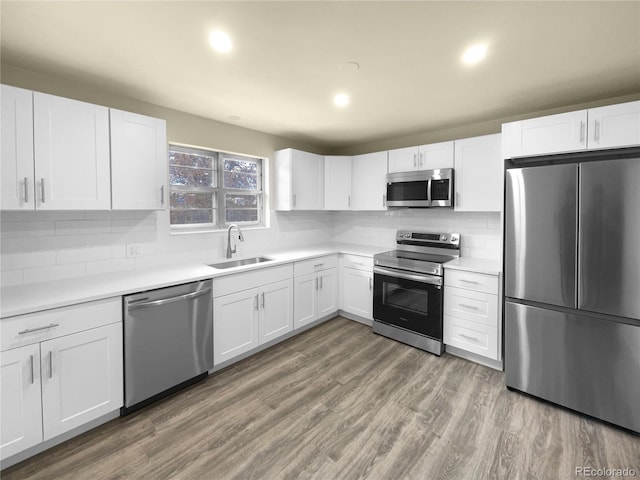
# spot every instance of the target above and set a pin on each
(235, 324)
(82, 378)
(564, 132)
(71, 147)
(358, 292)
(138, 161)
(16, 164)
(21, 413)
(435, 156)
(305, 296)
(478, 174)
(307, 181)
(276, 310)
(327, 292)
(403, 159)
(614, 126)
(337, 182)
(368, 181)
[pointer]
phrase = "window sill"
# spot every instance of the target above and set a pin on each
(186, 231)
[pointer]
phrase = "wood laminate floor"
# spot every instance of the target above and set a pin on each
(339, 402)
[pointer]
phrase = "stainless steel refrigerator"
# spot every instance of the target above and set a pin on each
(572, 282)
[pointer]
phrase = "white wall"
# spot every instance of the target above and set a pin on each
(480, 231)
(44, 246)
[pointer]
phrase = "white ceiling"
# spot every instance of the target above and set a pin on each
(284, 67)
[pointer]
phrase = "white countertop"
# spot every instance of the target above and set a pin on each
(21, 299)
(478, 265)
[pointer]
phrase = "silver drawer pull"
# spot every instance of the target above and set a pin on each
(468, 337)
(318, 265)
(470, 307)
(31, 330)
(469, 281)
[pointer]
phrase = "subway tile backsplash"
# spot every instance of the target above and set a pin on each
(45, 246)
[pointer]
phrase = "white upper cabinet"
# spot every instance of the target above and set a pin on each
(16, 174)
(71, 148)
(435, 156)
(604, 127)
(425, 157)
(299, 180)
(478, 174)
(614, 126)
(337, 182)
(564, 132)
(368, 182)
(403, 159)
(138, 161)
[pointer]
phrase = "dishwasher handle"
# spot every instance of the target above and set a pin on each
(164, 301)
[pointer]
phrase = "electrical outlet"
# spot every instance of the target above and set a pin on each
(134, 250)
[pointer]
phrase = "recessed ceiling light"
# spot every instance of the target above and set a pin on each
(474, 54)
(220, 41)
(341, 100)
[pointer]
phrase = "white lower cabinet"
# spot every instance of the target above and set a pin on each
(245, 318)
(57, 376)
(21, 412)
(357, 286)
(471, 313)
(315, 289)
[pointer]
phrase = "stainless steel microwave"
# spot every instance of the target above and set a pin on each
(421, 189)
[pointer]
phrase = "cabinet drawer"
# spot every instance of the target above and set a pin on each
(237, 282)
(358, 262)
(315, 265)
(28, 329)
(471, 305)
(480, 282)
(472, 337)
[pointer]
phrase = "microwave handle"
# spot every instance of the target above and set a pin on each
(429, 191)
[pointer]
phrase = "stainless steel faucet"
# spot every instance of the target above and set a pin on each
(230, 251)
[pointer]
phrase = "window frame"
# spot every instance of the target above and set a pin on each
(218, 192)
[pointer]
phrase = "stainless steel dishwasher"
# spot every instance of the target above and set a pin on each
(168, 341)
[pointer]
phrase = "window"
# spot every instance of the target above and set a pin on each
(211, 189)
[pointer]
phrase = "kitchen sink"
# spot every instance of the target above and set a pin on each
(240, 263)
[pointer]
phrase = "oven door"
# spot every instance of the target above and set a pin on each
(412, 301)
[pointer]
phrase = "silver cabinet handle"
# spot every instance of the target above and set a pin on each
(162, 195)
(256, 304)
(470, 307)
(164, 301)
(318, 265)
(42, 190)
(596, 134)
(415, 160)
(581, 132)
(370, 283)
(262, 299)
(26, 190)
(384, 200)
(37, 329)
(349, 201)
(294, 199)
(50, 364)
(31, 365)
(421, 157)
(468, 337)
(316, 283)
(469, 281)
(320, 282)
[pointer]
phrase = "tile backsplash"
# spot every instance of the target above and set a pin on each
(44, 246)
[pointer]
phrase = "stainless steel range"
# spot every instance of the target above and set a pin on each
(407, 296)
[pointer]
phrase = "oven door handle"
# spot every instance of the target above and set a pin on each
(433, 280)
